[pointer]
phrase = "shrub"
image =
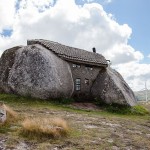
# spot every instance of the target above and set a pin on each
(120, 109)
(44, 127)
(139, 110)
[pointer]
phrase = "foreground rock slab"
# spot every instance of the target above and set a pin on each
(110, 87)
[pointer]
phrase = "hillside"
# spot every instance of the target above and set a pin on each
(89, 129)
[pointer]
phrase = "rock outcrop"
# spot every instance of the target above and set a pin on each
(35, 71)
(110, 87)
(2, 113)
(40, 71)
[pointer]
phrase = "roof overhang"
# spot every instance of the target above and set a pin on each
(86, 62)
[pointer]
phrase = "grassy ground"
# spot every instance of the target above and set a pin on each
(89, 129)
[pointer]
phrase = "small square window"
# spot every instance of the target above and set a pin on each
(86, 81)
(74, 65)
(78, 66)
(88, 67)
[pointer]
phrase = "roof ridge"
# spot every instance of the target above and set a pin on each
(71, 53)
(65, 45)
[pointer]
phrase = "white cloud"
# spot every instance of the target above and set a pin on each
(84, 26)
(89, 1)
(123, 53)
(101, 1)
(136, 74)
(7, 12)
(107, 1)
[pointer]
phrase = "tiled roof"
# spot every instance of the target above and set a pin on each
(71, 54)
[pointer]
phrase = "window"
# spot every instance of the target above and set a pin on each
(78, 84)
(76, 66)
(86, 81)
(88, 67)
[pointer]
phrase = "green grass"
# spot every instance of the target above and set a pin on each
(4, 128)
(60, 104)
(79, 136)
(114, 108)
(125, 110)
(139, 110)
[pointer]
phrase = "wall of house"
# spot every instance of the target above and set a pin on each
(84, 73)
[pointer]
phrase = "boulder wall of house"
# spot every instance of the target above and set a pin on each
(6, 62)
(36, 72)
(110, 87)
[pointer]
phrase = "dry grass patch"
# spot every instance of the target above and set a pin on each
(45, 127)
(11, 115)
(10, 112)
(12, 118)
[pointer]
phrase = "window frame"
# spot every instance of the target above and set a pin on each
(76, 65)
(77, 84)
(86, 81)
(89, 67)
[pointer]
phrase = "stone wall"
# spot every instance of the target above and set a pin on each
(83, 72)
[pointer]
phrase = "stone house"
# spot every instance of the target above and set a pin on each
(85, 65)
(50, 70)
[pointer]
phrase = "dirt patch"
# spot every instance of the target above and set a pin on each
(85, 106)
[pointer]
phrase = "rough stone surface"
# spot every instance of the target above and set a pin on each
(35, 71)
(2, 114)
(6, 62)
(110, 87)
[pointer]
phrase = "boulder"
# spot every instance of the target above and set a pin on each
(35, 71)
(110, 87)
(2, 113)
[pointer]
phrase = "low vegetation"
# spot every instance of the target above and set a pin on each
(37, 124)
(12, 119)
(11, 114)
(38, 127)
(44, 127)
(126, 110)
(122, 110)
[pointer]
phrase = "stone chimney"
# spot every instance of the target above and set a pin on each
(94, 50)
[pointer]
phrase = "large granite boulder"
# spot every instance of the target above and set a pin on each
(110, 87)
(35, 71)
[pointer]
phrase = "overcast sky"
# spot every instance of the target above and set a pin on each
(119, 29)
